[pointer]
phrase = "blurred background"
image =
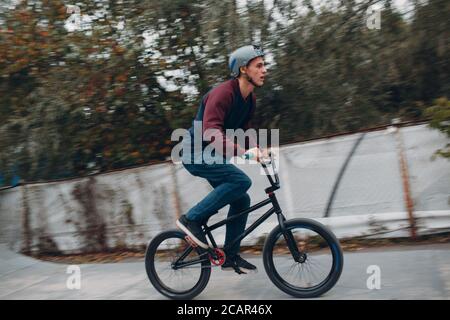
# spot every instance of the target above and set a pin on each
(88, 88)
(90, 92)
(91, 86)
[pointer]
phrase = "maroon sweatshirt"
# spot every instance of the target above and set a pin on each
(223, 108)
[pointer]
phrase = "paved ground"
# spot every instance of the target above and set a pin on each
(421, 272)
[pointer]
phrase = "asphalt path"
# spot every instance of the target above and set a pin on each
(411, 272)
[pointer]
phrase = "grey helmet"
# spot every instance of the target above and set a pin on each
(242, 56)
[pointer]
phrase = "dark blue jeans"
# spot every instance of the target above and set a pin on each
(230, 187)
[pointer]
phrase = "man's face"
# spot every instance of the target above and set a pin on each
(257, 71)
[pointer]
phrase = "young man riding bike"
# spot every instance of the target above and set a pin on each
(230, 105)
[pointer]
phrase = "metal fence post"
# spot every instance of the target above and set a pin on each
(409, 204)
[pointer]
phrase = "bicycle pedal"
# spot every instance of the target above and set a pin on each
(217, 257)
(191, 242)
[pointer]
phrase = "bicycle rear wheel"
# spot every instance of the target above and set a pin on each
(165, 262)
(320, 264)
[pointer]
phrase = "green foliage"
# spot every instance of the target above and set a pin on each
(440, 119)
(93, 98)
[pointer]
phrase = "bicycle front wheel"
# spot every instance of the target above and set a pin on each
(318, 266)
(175, 269)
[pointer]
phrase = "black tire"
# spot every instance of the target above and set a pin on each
(155, 253)
(323, 237)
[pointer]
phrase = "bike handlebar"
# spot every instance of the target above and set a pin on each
(271, 177)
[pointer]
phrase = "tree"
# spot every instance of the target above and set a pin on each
(440, 119)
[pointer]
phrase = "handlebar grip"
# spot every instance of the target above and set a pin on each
(248, 156)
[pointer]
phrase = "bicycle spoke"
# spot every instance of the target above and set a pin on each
(292, 267)
(176, 279)
(311, 273)
(302, 273)
(316, 264)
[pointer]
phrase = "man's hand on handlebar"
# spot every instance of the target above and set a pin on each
(258, 154)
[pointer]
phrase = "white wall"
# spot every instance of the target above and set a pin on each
(127, 208)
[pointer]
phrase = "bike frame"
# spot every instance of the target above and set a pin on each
(275, 209)
(275, 184)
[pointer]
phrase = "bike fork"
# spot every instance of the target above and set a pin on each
(289, 238)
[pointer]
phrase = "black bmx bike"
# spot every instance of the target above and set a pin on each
(302, 257)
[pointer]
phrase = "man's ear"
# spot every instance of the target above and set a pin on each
(242, 69)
